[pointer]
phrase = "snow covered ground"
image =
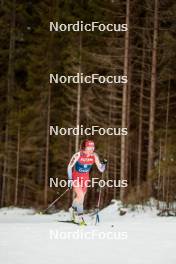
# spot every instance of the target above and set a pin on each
(138, 237)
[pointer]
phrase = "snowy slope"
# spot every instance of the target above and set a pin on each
(137, 237)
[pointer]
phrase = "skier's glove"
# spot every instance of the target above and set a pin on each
(70, 184)
(104, 162)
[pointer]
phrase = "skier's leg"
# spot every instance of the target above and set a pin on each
(79, 190)
(78, 203)
(78, 200)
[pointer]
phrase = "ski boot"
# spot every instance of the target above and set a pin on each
(72, 214)
(82, 221)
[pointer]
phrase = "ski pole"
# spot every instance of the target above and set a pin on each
(57, 199)
(98, 208)
(99, 197)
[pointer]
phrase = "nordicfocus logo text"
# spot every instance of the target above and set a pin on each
(81, 26)
(81, 78)
(88, 131)
(90, 183)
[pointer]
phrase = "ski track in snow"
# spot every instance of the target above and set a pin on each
(25, 238)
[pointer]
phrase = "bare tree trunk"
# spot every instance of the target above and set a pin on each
(123, 172)
(140, 125)
(51, 15)
(47, 146)
(166, 147)
(24, 191)
(78, 95)
(127, 151)
(115, 169)
(153, 93)
(109, 124)
(17, 166)
(159, 173)
(10, 85)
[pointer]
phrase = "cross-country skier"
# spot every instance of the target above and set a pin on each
(78, 176)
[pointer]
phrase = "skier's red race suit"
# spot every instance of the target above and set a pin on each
(80, 166)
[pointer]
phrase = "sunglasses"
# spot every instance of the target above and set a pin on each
(89, 148)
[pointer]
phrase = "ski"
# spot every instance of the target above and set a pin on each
(71, 222)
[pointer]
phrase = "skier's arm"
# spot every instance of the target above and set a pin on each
(71, 164)
(101, 166)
